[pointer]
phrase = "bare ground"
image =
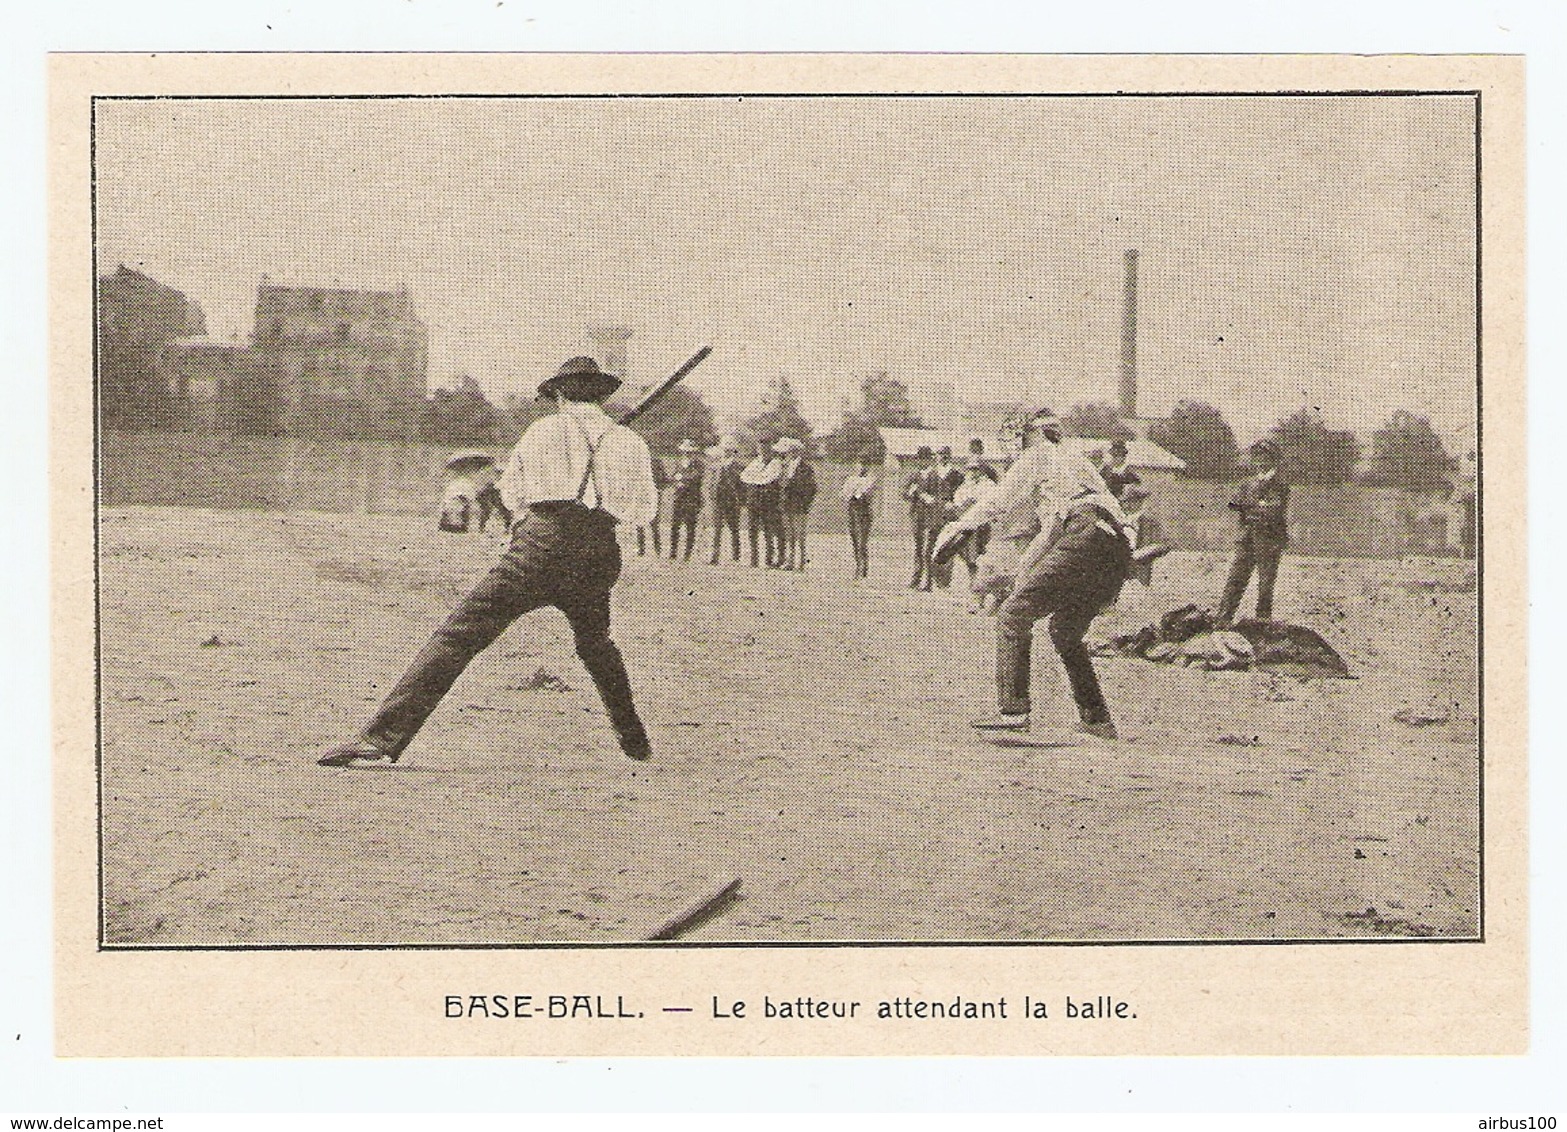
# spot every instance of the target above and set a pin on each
(810, 737)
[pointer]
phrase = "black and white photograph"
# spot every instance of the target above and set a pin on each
(780, 518)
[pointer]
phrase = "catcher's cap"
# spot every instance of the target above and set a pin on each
(581, 373)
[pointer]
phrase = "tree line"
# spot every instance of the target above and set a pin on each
(1405, 451)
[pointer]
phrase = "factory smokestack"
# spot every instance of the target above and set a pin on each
(1129, 338)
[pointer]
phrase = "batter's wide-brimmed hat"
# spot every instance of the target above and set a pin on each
(584, 373)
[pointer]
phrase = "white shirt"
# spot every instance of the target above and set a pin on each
(858, 487)
(971, 492)
(762, 471)
(460, 488)
(1050, 478)
(551, 459)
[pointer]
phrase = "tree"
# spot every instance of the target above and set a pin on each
(521, 410)
(1311, 452)
(1097, 420)
(461, 415)
(680, 414)
(884, 404)
(780, 415)
(1199, 435)
(1406, 452)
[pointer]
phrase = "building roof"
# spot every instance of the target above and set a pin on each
(904, 442)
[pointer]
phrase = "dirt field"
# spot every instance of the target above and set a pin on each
(810, 737)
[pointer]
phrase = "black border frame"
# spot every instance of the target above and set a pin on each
(1480, 591)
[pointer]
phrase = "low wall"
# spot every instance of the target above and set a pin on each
(288, 473)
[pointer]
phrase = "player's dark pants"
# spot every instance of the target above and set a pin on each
(860, 535)
(1253, 552)
(642, 533)
(683, 519)
(562, 555)
(1078, 576)
(726, 516)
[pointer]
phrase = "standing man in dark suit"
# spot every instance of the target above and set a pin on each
(796, 491)
(922, 492)
(1263, 503)
(573, 476)
(685, 499)
(760, 478)
(725, 492)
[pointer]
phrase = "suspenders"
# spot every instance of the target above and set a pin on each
(589, 472)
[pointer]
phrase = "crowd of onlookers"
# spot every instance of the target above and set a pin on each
(757, 508)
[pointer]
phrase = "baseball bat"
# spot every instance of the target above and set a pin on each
(663, 387)
(699, 914)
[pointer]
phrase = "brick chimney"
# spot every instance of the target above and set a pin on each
(1129, 338)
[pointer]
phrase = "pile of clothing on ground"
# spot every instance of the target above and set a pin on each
(1190, 636)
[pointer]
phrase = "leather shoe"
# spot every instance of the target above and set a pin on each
(1105, 730)
(1004, 721)
(350, 753)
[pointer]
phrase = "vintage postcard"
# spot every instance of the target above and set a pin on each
(566, 555)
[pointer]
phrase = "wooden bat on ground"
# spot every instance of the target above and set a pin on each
(699, 914)
(674, 379)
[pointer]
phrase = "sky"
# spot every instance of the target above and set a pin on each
(1294, 251)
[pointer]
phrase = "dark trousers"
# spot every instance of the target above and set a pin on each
(683, 519)
(925, 533)
(765, 520)
(860, 535)
(565, 556)
(1252, 552)
(490, 500)
(642, 533)
(792, 546)
(974, 549)
(1077, 577)
(726, 516)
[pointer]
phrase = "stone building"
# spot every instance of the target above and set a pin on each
(137, 318)
(221, 387)
(344, 362)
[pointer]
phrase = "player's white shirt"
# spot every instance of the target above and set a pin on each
(551, 459)
(1051, 479)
